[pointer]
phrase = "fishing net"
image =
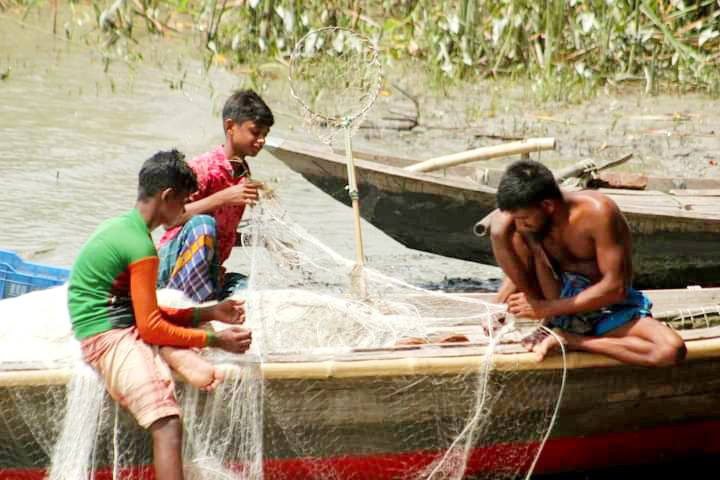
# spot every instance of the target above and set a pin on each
(396, 382)
(335, 75)
(399, 384)
(405, 383)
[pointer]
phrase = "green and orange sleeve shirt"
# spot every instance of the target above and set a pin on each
(112, 285)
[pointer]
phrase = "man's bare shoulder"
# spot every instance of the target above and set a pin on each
(501, 224)
(593, 203)
(594, 211)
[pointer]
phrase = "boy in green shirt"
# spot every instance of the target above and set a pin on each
(124, 335)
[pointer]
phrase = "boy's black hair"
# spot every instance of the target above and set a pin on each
(247, 105)
(526, 184)
(165, 170)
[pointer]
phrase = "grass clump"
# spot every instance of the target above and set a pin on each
(565, 48)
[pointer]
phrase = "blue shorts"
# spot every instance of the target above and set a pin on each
(600, 322)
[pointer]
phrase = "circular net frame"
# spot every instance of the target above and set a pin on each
(335, 75)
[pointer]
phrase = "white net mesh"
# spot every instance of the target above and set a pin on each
(383, 420)
(331, 389)
(335, 75)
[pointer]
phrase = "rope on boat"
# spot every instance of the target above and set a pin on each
(691, 318)
(557, 405)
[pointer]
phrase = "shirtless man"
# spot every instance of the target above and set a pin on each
(567, 260)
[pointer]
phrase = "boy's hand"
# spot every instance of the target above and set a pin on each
(242, 194)
(229, 311)
(233, 339)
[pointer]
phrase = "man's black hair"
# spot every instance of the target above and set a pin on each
(247, 105)
(165, 170)
(526, 184)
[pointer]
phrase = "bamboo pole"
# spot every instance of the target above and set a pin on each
(22, 378)
(358, 279)
(484, 153)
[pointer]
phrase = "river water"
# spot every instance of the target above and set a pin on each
(74, 137)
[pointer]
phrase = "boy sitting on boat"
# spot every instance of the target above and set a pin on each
(124, 335)
(567, 260)
(193, 252)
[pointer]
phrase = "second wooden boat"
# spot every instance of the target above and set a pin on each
(675, 222)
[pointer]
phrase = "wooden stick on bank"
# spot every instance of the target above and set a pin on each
(484, 153)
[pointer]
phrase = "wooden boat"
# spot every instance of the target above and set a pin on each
(675, 223)
(610, 413)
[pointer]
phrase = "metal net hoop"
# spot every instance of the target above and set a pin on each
(335, 75)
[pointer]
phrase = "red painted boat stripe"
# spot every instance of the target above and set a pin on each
(651, 445)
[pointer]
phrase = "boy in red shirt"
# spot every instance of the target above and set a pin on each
(192, 253)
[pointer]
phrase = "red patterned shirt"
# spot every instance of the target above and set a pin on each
(214, 172)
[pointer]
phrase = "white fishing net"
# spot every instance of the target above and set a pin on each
(383, 381)
(335, 74)
(334, 387)
(371, 405)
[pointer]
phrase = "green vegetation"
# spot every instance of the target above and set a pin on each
(565, 48)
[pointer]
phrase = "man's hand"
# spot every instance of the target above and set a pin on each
(228, 311)
(520, 305)
(233, 339)
(242, 194)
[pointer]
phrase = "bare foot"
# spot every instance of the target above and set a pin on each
(218, 378)
(201, 374)
(548, 344)
(194, 369)
(537, 336)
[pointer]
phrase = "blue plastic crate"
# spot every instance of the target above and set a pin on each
(18, 277)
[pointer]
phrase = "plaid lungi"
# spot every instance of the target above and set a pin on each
(605, 319)
(188, 262)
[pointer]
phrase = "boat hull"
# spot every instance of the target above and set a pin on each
(436, 214)
(687, 441)
(387, 413)
(610, 415)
